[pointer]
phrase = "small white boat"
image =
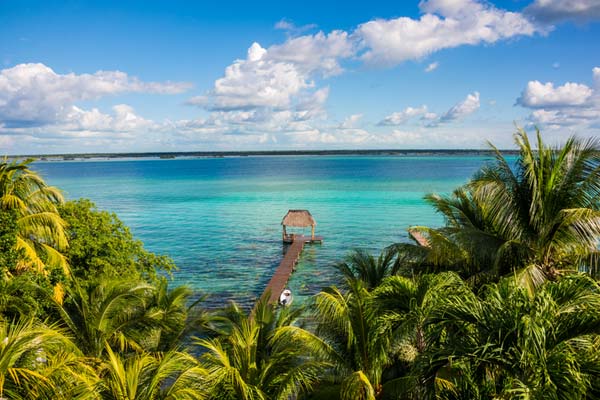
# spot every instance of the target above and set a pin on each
(286, 298)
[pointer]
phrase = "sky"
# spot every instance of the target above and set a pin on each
(148, 76)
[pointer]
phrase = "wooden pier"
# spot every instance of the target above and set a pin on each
(283, 272)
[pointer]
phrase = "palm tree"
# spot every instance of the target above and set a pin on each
(176, 315)
(169, 376)
(548, 210)
(372, 337)
(113, 312)
(539, 214)
(405, 307)
(261, 356)
(362, 266)
(468, 244)
(508, 344)
(351, 340)
(41, 231)
(39, 362)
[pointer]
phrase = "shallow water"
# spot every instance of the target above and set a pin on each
(219, 218)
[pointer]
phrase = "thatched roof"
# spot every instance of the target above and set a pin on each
(298, 218)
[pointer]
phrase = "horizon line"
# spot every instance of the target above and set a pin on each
(175, 154)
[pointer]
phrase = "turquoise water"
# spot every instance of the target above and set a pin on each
(219, 218)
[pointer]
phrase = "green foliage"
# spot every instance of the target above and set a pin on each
(507, 344)
(539, 217)
(40, 230)
(9, 255)
(411, 323)
(40, 362)
(112, 311)
(130, 316)
(351, 339)
(373, 337)
(22, 296)
(102, 247)
(261, 356)
(362, 266)
(145, 376)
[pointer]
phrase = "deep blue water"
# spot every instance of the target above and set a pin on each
(219, 218)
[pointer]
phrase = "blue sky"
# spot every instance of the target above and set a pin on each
(192, 76)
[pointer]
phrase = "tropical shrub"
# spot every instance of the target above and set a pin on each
(102, 247)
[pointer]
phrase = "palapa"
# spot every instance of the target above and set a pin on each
(298, 219)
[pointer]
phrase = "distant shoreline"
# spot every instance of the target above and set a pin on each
(222, 154)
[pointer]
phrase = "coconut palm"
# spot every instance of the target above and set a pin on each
(547, 211)
(39, 362)
(169, 376)
(261, 356)
(372, 337)
(176, 315)
(468, 245)
(361, 265)
(112, 311)
(40, 234)
(539, 213)
(351, 340)
(508, 344)
(405, 307)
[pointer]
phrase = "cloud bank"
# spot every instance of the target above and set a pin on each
(571, 105)
(33, 95)
(277, 95)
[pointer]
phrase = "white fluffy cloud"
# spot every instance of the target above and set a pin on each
(35, 95)
(256, 82)
(277, 94)
(460, 110)
(280, 84)
(273, 88)
(121, 123)
(274, 77)
(445, 24)
(550, 11)
(596, 75)
(401, 117)
(445, 137)
(318, 53)
(571, 104)
(311, 105)
(41, 107)
(123, 119)
(545, 95)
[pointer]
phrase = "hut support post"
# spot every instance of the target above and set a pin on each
(312, 232)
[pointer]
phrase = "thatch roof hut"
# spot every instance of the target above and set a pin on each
(298, 219)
